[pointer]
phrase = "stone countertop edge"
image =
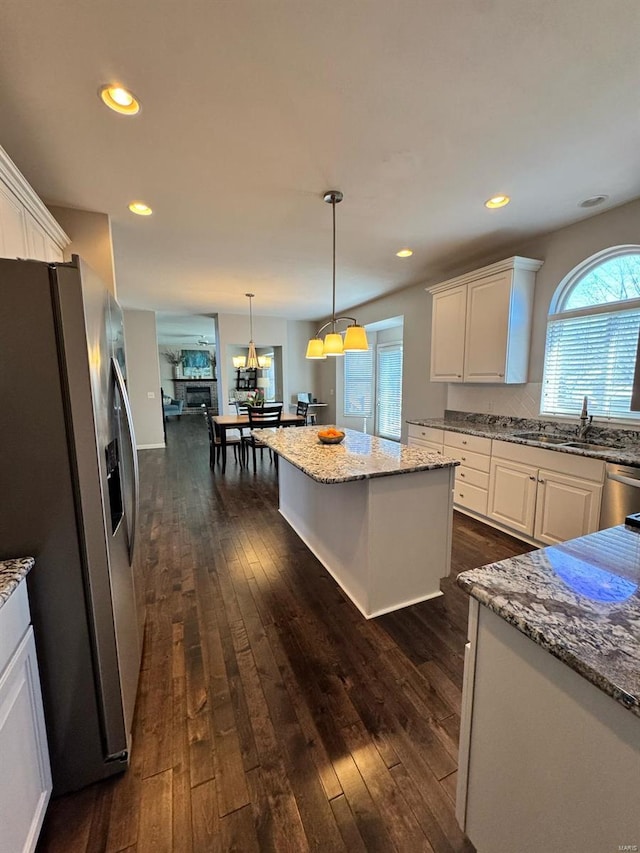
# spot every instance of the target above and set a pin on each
(617, 455)
(597, 639)
(359, 457)
(12, 572)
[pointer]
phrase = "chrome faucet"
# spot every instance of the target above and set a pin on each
(585, 421)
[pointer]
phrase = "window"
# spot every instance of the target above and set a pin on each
(389, 391)
(358, 383)
(592, 337)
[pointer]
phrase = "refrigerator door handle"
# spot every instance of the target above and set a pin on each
(135, 486)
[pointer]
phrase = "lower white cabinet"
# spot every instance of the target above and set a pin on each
(472, 475)
(548, 496)
(429, 438)
(25, 777)
(548, 762)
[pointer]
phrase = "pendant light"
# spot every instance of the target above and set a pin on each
(252, 358)
(355, 338)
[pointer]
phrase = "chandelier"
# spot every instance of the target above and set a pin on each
(355, 336)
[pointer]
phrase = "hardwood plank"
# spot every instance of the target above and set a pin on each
(156, 814)
(204, 817)
(265, 697)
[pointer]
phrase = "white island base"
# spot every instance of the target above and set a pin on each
(385, 540)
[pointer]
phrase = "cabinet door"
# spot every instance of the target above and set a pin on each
(25, 780)
(566, 507)
(37, 243)
(512, 494)
(447, 334)
(487, 329)
(13, 240)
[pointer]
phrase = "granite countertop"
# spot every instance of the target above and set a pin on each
(578, 600)
(358, 457)
(11, 573)
(624, 444)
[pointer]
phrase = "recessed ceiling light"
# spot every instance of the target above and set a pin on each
(497, 201)
(140, 208)
(119, 99)
(593, 201)
(404, 253)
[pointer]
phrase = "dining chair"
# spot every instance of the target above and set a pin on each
(260, 417)
(302, 409)
(215, 444)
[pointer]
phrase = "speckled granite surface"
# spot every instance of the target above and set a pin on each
(11, 573)
(624, 444)
(580, 601)
(358, 457)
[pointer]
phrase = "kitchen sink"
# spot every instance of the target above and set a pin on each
(585, 445)
(542, 437)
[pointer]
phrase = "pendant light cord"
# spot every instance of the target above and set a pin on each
(333, 312)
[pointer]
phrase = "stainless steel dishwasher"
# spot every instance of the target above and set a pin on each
(621, 494)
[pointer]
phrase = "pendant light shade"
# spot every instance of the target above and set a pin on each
(333, 344)
(315, 349)
(252, 358)
(355, 337)
(239, 361)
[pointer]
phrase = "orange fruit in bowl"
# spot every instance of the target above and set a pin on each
(331, 435)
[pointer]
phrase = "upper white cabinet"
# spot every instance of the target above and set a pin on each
(27, 229)
(481, 324)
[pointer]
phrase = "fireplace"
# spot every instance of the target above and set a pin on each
(198, 395)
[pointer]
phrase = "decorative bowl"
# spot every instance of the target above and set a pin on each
(330, 438)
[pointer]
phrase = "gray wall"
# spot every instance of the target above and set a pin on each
(90, 234)
(143, 377)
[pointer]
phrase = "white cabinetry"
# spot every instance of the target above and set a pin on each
(548, 762)
(428, 438)
(472, 475)
(481, 324)
(27, 229)
(25, 780)
(544, 494)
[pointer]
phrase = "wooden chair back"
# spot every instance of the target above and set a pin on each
(301, 409)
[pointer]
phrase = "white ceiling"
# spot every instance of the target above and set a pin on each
(418, 110)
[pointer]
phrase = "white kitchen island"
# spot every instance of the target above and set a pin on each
(376, 513)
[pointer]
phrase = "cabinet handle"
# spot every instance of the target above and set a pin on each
(541, 481)
(459, 376)
(463, 458)
(501, 375)
(463, 476)
(460, 495)
(532, 477)
(464, 442)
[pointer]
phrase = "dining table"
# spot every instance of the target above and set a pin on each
(224, 423)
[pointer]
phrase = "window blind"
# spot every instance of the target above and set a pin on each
(389, 391)
(358, 383)
(594, 356)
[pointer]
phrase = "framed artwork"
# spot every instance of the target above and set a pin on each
(197, 362)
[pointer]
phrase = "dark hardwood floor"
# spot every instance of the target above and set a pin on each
(271, 715)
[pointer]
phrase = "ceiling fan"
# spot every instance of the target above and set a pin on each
(204, 341)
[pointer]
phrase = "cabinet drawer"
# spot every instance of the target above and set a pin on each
(471, 497)
(475, 443)
(435, 436)
(14, 617)
(426, 445)
(468, 458)
(464, 475)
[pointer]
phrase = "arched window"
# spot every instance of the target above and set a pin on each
(592, 337)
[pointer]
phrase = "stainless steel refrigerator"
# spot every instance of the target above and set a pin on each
(68, 493)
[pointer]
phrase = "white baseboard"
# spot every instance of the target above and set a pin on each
(151, 446)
